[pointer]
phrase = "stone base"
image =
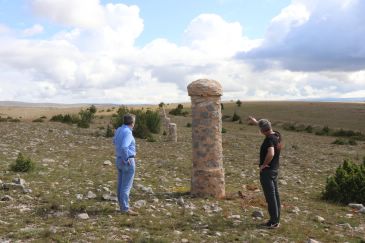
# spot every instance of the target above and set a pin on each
(208, 183)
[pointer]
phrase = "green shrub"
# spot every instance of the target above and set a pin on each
(92, 109)
(347, 185)
(289, 127)
(178, 111)
(224, 130)
(161, 105)
(151, 139)
(235, 117)
(22, 164)
(109, 132)
(238, 103)
(222, 106)
(147, 122)
(309, 129)
(188, 124)
(352, 141)
(340, 141)
(86, 116)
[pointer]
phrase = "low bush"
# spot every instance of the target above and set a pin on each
(224, 130)
(188, 124)
(147, 122)
(38, 120)
(22, 164)
(178, 111)
(347, 184)
(109, 132)
(308, 129)
(340, 141)
(235, 117)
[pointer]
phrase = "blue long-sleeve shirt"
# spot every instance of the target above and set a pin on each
(124, 142)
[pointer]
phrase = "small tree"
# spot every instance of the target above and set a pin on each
(347, 185)
(92, 109)
(238, 103)
(22, 164)
(86, 116)
(235, 117)
(161, 105)
(222, 106)
(109, 132)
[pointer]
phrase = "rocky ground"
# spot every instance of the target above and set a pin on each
(70, 196)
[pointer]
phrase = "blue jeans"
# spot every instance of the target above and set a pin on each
(125, 182)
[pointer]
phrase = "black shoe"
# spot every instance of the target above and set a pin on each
(271, 225)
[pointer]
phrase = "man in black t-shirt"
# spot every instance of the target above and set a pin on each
(269, 166)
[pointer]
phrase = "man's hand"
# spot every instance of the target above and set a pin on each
(252, 120)
(262, 167)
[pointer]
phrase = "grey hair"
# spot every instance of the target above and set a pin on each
(264, 125)
(129, 119)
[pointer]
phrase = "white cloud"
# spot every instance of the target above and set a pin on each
(76, 13)
(34, 30)
(315, 36)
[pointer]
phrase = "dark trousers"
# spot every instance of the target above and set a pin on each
(269, 183)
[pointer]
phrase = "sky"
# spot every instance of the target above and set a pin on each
(148, 51)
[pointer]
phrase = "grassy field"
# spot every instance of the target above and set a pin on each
(70, 163)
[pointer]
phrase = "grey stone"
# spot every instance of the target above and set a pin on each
(83, 216)
(79, 196)
(91, 195)
(257, 214)
(108, 197)
(357, 206)
(140, 203)
(19, 181)
(6, 198)
(180, 201)
(319, 219)
(107, 163)
(313, 241)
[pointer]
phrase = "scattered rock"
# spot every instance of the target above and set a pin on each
(319, 219)
(79, 196)
(107, 162)
(313, 241)
(48, 161)
(140, 203)
(235, 217)
(144, 189)
(109, 197)
(295, 210)
(184, 240)
(8, 186)
(283, 182)
(180, 201)
(362, 210)
(4, 223)
(91, 195)
(19, 181)
(6, 198)
(257, 214)
(83, 216)
(357, 206)
(346, 226)
(212, 208)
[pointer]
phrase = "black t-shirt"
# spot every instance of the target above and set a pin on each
(270, 141)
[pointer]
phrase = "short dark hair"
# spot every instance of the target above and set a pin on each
(128, 119)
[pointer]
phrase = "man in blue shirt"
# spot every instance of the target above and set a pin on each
(125, 150)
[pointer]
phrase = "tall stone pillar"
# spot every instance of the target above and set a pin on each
(208, 173)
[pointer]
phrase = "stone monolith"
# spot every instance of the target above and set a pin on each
(208, 172)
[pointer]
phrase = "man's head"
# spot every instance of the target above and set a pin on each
(264, 125)
(129, 120)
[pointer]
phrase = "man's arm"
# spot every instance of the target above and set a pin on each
(126, 141)
(269, 156)
(252, 120)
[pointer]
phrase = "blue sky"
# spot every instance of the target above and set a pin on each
(109, 51)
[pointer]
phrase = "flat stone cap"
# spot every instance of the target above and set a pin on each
(205, 87)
